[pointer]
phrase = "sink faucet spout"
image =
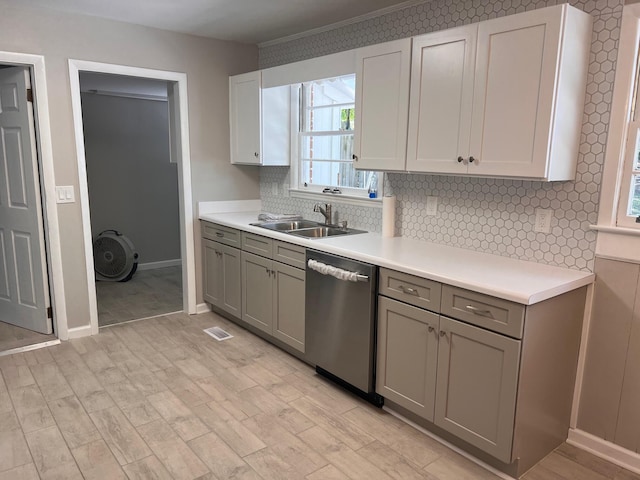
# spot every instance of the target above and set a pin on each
(326, 211)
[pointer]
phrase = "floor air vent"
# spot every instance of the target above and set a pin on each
(218, 333)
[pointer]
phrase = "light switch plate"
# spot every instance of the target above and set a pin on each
(65, 194)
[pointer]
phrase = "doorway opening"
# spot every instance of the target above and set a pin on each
(176, 85)
(25, 297)
(133, 196)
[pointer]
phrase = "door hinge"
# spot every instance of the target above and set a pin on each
(49, 312)
(30, 95)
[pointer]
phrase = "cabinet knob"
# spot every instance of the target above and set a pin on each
(430, 328)
(355, 157)
(443, 333)
(256, 154)
(460, 159)
(471, 159)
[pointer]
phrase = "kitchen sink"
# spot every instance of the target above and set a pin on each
(288, 225)
(308, 228)
(320, 232)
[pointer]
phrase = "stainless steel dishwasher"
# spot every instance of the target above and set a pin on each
(340, 321)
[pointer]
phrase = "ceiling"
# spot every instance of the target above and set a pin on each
(248, 21)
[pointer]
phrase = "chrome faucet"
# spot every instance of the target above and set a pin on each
(326, 211)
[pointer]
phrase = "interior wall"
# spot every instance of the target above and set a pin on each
(610, 400)
(208, 63)
(489, 215)
(133, 187)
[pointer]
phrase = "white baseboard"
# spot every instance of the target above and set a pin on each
(78, 332)
(202, 308)
(605, 450)
(162, 264)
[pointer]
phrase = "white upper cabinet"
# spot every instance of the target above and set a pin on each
(382, 104)
(441, 100)
(523, 116)
(259, 121)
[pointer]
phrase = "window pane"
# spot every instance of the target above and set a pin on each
(634, 196)
(326, 119)
(636, 160)
(341, 174)
(327, 147)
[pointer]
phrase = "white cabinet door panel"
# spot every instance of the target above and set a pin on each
(382, 104)
(513, 96)
(441, 98)
(244, 118)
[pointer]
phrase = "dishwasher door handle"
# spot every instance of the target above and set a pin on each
(336, 272)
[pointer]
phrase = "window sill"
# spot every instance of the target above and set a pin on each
(338, 198)
(616, 230)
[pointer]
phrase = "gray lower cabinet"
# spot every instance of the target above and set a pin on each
(407, 356)
(477, 382)
(497, 379)
(273, 296)
(460, 377)
(257, 291)
(222, 286)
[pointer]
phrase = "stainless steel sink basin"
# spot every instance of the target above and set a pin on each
(308, 228)
(321, 232)
(286, 226)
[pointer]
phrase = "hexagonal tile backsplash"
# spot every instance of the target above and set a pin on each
(489, 215)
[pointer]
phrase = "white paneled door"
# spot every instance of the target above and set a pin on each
(24, 292)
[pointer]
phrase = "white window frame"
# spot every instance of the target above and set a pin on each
(620, 238)
(353, 196)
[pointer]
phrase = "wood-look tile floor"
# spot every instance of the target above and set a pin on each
(160, 399)
(148, 293)
(15, 337)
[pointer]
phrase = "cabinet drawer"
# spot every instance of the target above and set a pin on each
(414, 290)
(288, 253)
(257, 244)
(485, 311)
(219, 233)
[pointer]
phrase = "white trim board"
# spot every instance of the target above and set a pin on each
(605, 450)
(203, 308)
(47, 179)
(179, 89)
(161, 264)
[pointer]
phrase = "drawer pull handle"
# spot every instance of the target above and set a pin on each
(219, 234)
(478, 311)
(409, 290)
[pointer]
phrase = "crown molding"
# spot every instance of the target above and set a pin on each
(343, 23)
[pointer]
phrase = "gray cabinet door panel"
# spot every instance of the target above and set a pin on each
(257, 298)
(231, 287)
(212, 274)
(476, 386)
(407, 356)
(288, 302)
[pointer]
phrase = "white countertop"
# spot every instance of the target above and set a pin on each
(515, 280)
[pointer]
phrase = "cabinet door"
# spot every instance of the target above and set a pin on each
(231, 286)
(288, 303)
(514, 92)
(382, 104)
(476, 386)
(212, 271)
(257, 297)
(407, 356)
(244, 118)
(442, 75)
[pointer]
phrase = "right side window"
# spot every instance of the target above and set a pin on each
(629, 199)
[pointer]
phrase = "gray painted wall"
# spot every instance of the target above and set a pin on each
(489, 215)
(207, 64)
(133, 188)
